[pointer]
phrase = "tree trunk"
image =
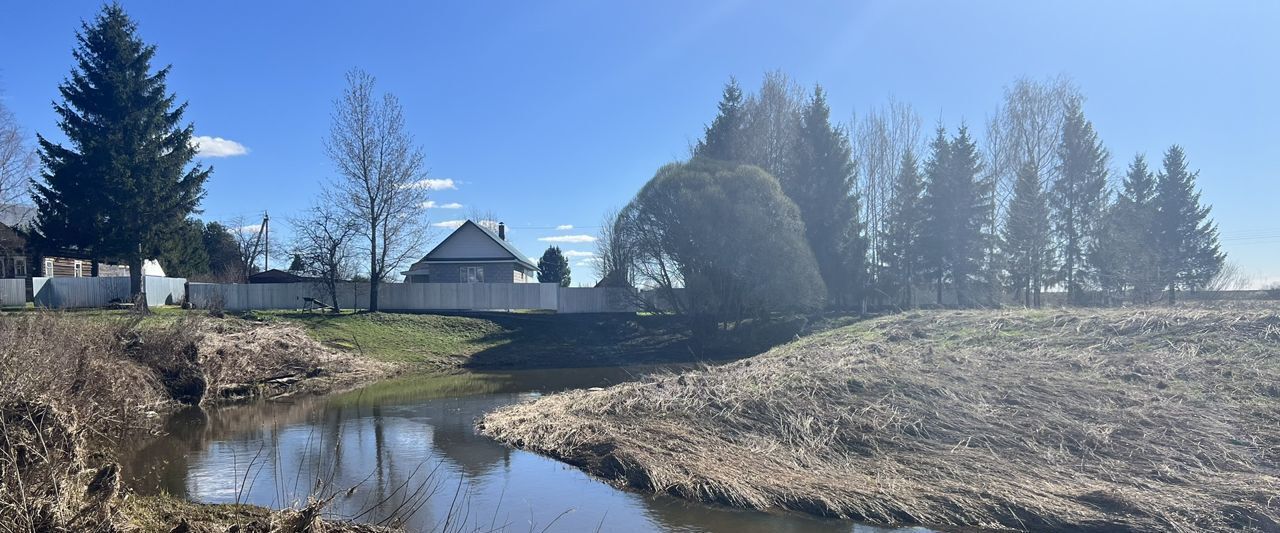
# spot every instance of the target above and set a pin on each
(374, 275)
(333, 294)
(136, 293)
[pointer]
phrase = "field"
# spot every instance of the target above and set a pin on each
(1104, 420)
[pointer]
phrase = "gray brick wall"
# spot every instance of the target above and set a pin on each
(493, 272)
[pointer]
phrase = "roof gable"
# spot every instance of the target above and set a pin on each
(472, 241)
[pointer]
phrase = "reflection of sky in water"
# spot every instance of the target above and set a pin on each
(411, 442)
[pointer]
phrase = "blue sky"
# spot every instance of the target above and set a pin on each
(549, 113)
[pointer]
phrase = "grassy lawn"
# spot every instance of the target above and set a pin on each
(397, 337)
(494, 340)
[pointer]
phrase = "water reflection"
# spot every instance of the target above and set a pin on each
(408, 448)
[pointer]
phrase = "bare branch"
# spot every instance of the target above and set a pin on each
(17, 158)
(380, 173)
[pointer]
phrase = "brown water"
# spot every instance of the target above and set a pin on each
(409, 448)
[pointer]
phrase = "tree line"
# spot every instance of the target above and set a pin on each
(866, 215)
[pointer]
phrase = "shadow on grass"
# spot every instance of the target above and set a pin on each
(588, 340)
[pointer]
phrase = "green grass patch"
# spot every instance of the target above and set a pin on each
(397, 337)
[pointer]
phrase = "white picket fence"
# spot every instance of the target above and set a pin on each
(78, 293)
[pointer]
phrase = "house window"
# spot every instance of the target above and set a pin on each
(471, 274)
(19, 267)
(48, 268)
(79, 269)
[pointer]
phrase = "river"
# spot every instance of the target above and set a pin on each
(409, 449)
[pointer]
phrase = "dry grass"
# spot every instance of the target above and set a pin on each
(1151, 420)
(71, 385)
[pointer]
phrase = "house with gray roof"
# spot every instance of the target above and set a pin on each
(473, 253)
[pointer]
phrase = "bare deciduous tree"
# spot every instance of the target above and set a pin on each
(1230, 278)
(380, 176)
(614, 260)
(1026, 130)
(323, 238)
(484, 217)
(17, 158)
(880, 139)
(773, 124)
(250, 244)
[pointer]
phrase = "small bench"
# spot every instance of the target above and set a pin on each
(313, 304)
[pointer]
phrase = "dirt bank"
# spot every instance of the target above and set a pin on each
(72, 386)
(490, 341)
(1152, 420)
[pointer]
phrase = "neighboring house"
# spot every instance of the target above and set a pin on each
(276, 275)
(473, 254)
(18, 260)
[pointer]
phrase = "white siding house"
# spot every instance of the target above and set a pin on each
(473, 254)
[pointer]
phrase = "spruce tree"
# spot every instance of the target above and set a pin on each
(957, 208)
(1026, 238)
(223, 252)
(938, 214)
(181, 252)
(1078, 198)
(124, 179)
(553, 267)
(1123, 257)
(1186, 238)
(971, 238)
(900, 253)
(725, 139)
(821, 186)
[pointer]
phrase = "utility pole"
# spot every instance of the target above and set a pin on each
(266, 233)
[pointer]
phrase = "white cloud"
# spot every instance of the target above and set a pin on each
(578, 253)
(564, 227)
(583, 264)
(450, 224)
(435, 184)
(207, 146)
(572, 239)
(431, 204)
